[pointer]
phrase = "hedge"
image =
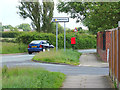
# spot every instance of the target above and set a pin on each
(83, 41)
(11, 34)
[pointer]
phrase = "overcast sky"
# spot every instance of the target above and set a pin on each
(9, 16)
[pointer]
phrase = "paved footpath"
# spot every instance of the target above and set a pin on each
(89, 81)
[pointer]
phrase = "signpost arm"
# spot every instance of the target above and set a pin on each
(56, 36)
(64, 37)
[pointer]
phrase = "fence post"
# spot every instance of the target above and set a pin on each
(111, 52)
(113, 76)
(117, 59)
(119, 54)
(115, 56)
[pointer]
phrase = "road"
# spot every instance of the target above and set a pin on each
(25, 60)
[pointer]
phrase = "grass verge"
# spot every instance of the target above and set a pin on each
(28, 77)
(8, 48)
(67, 57)
(8, 40)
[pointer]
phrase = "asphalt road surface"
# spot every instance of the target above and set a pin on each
(25, 60)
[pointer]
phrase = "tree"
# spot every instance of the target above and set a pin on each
(98, 16)
(79, 28)
(60, 28)
(8, 27)
(1, 27)
(48, 8)
(24, 26)
(33, 11)
(38, 13)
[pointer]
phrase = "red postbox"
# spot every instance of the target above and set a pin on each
(73, 40)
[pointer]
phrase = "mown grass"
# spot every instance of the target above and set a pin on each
(29, 77)
(67, 57)
(7, 48)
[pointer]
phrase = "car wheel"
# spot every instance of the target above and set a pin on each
(48, 49)
(30, 52)
(43, 49)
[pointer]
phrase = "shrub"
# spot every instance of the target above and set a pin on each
(83, 41)
(11, 34)
(29, 36)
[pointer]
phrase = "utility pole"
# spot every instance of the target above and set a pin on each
(56, 36)
(64, 37)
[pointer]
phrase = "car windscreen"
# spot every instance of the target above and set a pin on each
(35, 42)
(44, 42)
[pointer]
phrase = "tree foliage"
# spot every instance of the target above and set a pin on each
(24, 26)
(60, 28)
(97, 16)
(8, 27)
(48, 8)
(40, 14)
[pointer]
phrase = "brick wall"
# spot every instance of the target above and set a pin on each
(100, 51)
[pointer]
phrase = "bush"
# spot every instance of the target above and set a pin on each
(29, 36)
(83, 41)
(11, 34)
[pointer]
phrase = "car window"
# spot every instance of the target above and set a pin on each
(35, 42)
(44, 42)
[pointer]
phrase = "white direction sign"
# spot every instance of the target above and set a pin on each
(60, 19)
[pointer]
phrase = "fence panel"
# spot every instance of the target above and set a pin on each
(115, 54)
(119, 55)
(110, 58)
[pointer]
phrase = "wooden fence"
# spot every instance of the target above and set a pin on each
(114, 56)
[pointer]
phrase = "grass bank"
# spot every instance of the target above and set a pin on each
(28, 77)
(67, 57)
(7, 48)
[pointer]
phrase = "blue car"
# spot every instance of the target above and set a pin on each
(39, 45)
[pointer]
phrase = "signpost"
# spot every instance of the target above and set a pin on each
(60, 19)
(75, 30)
